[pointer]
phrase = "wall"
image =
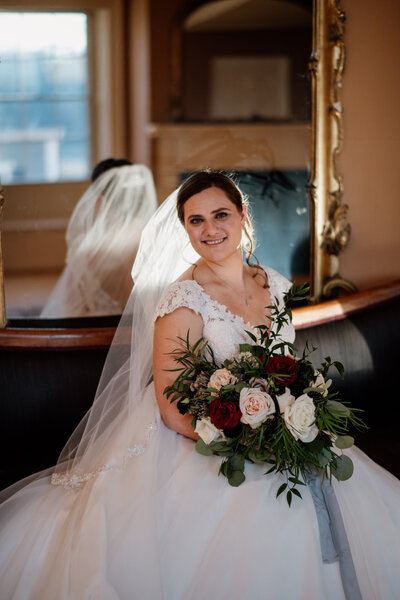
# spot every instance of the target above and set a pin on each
(369, 160)
(161, 20)
(34, 223)
(200, 48)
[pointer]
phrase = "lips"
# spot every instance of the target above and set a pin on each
(214, 242)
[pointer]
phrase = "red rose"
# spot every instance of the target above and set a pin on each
(283, 365)
(224, 414)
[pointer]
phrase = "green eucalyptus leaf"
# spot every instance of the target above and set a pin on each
(344, 441)
(226, 452)
(236, 478)
(343, 468)
(338, 407)
(218, 446)
(203, 448)
(237, 462)
(324, 457)
(259, 456)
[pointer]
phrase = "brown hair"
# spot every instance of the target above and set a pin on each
(203, 180)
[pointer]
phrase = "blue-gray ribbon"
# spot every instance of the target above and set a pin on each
(332, 533)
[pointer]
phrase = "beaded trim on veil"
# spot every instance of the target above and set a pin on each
(76, 481)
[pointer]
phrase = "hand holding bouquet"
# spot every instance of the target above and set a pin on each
(266, 405)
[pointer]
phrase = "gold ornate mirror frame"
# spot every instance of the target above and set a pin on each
(330, 231)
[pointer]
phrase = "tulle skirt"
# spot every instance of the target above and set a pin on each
(167, 527)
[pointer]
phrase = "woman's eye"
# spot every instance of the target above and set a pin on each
(221, 215)
(195, 221)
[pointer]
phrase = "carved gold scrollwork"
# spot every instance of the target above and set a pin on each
(331, 230)
(336, 232)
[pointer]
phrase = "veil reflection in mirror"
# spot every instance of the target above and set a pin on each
(102, 238)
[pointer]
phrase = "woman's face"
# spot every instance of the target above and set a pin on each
(214, 224)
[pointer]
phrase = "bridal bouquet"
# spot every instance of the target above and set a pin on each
(266, 405)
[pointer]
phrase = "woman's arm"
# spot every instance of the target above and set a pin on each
(167, 329)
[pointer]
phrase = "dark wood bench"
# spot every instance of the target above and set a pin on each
(49, 376)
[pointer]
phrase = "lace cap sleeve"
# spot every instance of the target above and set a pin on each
(181, 294)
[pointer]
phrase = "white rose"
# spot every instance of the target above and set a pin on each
(256, 406)
(299, 418)
(221, 377)
(208, 432)
(285, 399)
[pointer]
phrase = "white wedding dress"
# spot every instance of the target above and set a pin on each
(166, 526)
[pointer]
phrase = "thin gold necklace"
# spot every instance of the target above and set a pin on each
(247, 302)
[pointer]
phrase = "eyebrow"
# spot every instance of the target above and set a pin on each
(213, 212)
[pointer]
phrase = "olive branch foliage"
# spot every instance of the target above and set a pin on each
(271, 443)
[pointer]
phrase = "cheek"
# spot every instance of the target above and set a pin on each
(193, 233)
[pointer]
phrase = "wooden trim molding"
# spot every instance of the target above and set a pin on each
(100, 338)
(56, 339)
(332, 310)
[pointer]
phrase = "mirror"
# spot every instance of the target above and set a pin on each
(269, 133)
(240, 100)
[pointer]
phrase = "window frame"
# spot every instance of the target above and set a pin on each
(107, 103)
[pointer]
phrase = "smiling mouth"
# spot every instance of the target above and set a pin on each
(214, 242)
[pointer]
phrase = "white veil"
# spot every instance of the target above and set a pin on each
(120, 421)
(102, 240)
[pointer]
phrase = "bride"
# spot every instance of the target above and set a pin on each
(131, 510)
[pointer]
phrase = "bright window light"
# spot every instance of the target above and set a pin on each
(44, 97)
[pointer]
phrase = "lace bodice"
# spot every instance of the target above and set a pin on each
(222, 329)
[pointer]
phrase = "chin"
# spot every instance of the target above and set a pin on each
(217, 253)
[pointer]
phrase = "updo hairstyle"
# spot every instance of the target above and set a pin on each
(106, 164)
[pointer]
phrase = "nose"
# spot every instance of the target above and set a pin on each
(211, 228)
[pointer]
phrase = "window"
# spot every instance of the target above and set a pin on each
(44, 97)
